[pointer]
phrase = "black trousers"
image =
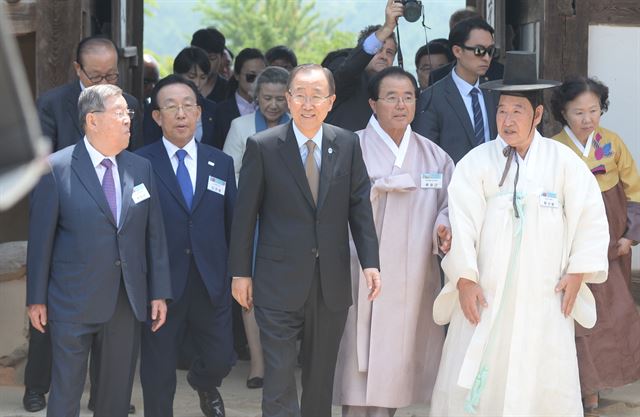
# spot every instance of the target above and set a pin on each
(118, 340)
(279, 331)
(211, 331)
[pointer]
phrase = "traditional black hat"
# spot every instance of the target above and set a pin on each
(520, 74)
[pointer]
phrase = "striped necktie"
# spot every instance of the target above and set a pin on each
(478, 122)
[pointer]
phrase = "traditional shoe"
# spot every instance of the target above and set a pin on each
(255, 382)
(33, 401)
(590, 402)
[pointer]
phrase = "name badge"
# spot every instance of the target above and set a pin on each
(549, 200)
(216, 185)
(431, 180)
(140, 193)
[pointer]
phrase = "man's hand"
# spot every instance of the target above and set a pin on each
(374, 284)
(470, 294)
(444, 238)
(392, 12)
(242, 291)
(38, 316)
(624, 246)
(569, 284)
(158, 314)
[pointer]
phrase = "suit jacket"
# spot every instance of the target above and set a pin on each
(351, 109)
(227, 111)
(292, 230)
(152, 132)
(58, 112)
(77, 256)
(494, 72)
(442, 117)
(202, 232)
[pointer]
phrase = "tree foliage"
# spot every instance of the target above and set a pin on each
(265, 23)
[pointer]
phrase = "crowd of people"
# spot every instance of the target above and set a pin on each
(404, 240)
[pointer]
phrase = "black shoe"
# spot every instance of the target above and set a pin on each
(255, 382)
(211, 403)
(92, 407)
(33, 401)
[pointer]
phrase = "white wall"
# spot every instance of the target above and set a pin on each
(614, 58)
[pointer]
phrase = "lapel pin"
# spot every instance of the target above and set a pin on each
(211, 163)
(330, 151)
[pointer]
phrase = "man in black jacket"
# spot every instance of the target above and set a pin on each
(375, 51)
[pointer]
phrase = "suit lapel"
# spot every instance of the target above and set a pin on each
(201, 176)
(86, 173)
(71, 104)
(460, 110)
(290, 153)
(329, 156)
(126, 184)
(164, 170)
(491, 104)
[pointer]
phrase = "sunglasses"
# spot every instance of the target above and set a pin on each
(480, 50)
(250, 77)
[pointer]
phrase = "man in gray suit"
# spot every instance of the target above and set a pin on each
(308, 182)
(454, 113)
(97, 254)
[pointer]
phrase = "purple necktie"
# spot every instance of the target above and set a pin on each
(109, 187)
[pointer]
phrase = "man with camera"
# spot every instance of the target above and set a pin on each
(375, 51)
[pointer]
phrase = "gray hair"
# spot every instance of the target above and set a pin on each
(270, 75)
(92, 99)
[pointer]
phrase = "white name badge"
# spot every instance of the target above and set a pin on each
(216, 185)
(549, 200)
(140, 193)
(431, 180)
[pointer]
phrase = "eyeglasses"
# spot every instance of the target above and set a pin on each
(396, 100)
(480, 50)
(250, 77)
(110, 78)
(173, 108)
(149, 81)
(120, 114)
(302, 99)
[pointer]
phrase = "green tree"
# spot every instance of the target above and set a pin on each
(265, 23)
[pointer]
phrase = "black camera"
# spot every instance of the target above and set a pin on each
(412, 9)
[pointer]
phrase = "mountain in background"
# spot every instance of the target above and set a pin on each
(168, 28)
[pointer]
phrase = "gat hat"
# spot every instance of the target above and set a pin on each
(520, 74)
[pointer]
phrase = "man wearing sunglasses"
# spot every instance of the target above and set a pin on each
(96, 63)
(454, 113)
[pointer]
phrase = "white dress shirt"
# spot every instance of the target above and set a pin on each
(464, 88)
(302, 145)
(96, 159)
(190, 160)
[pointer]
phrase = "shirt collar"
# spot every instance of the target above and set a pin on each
(463, 86)
(586, 148)
(82, 87)
(302, 139)
(191, 148)
(399, 151)
(96, 156)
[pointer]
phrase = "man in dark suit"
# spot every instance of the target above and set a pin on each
(96, 63)
(309, 184)
(212, 41)
(455, 113)
(375, 51)
(196, 185)
(97, 254)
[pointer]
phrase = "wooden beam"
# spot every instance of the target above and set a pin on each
(21, 14)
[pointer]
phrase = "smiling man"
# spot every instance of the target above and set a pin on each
(455, 113)
(308, 182)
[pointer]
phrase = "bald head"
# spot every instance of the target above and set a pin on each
(96, 61)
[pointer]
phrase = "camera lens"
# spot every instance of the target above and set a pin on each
(412, 10)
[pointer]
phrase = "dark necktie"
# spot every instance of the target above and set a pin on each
(311, 169)
(184, 180)
(478, 122)
(109, 187)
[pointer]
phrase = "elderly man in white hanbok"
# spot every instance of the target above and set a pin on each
(530, 231)
(391, 347)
